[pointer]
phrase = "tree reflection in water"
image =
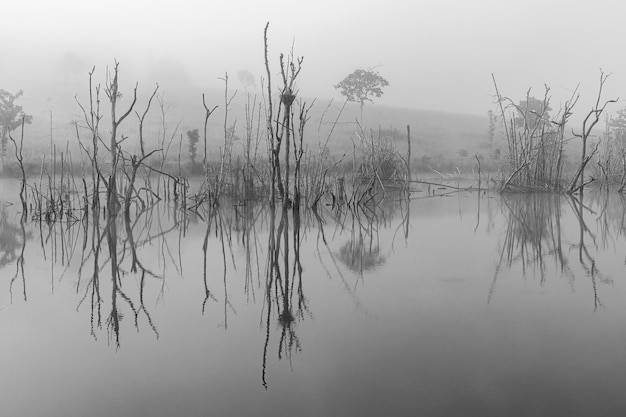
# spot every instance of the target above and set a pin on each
(285, 301)
(13, 237)
(117, 244)
(118, 269)
(284, 274)
(222, 226)
(362, 252)
(535, 234)
(110, 251)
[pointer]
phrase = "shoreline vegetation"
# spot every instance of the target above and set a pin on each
(276, 154)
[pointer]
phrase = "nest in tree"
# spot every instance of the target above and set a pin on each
(287, 97)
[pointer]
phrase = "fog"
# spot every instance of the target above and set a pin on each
(437, 55)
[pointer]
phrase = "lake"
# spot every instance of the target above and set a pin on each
(457, 304)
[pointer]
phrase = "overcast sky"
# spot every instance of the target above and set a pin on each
(436, 55)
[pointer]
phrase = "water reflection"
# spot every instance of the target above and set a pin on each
(13, 239)
(254, 297)
(115, 251)
(284, 274)
(362, 251)
(111, 254)
(537, 236)
(221, 223)
(532, 232)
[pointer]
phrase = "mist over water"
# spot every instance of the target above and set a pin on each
(260, 259)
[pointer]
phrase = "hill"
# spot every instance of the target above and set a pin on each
(437, 137)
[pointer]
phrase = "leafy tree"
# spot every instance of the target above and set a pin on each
(247, 79)
(193, 136)
(11, 116)
(361, 86)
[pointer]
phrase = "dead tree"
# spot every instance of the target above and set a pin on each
(281, 127)
(593, 117)
(20, 160)
(228, 139)
(112, 92)
(273, 138)
(535, 141)
(92, 122)
(207, 114)
(289, 74)
(141, 120)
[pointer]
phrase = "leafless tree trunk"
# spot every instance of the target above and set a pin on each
(20, 161)
(593, 117)
(112, 92)
(141, 120)
(206, 121)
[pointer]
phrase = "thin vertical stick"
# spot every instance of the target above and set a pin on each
(479, 179)
(408, 156)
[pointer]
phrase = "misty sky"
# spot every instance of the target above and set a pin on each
(436, 55)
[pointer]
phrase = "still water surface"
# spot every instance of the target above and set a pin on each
(466, 304)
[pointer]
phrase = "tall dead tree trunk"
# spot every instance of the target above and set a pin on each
(282, 127)
(112, 91)
(289, 72)
(593, 117)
